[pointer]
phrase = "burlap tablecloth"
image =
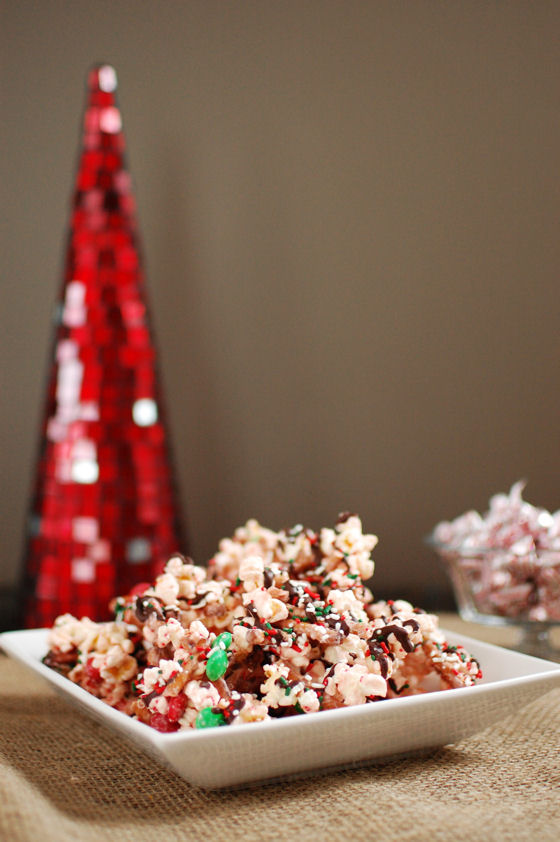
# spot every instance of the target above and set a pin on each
(63, 777)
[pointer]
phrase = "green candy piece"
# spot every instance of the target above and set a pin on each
(223, 641)
(217, 664)
(208, 719)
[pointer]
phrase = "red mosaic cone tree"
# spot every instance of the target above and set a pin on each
(104, 513)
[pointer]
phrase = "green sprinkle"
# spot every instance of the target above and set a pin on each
(217, 664)
(206, 718)
(119, 609)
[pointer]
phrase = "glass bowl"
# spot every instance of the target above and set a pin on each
(497, 586)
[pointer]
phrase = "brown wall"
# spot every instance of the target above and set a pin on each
(350, 220)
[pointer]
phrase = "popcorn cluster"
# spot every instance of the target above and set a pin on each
(509, 557)
(278, 624)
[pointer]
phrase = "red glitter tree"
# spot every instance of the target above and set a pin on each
(104, 513)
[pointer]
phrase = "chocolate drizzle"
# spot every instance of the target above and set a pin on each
(197, 601)
(310, 613)
(378, 655)
(62, 662)
(295, 590)
(336, 622)
(147, 698)
(400, 633)
(274, 634)
(380, 637)
(344, 516)
(145, 606)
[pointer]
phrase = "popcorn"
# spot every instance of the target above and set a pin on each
(351, 648)
(198, 631)
(84, 635)
(202, 695)
(157, 677)
(171, 632)
(251, 572)
(167, 588)
(346, 602)
(267, 608)
(279, 624)
(355, 684)
(348, 541)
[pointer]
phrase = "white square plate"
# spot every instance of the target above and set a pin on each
(234, 755)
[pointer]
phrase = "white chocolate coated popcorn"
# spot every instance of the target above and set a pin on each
(279, 624)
